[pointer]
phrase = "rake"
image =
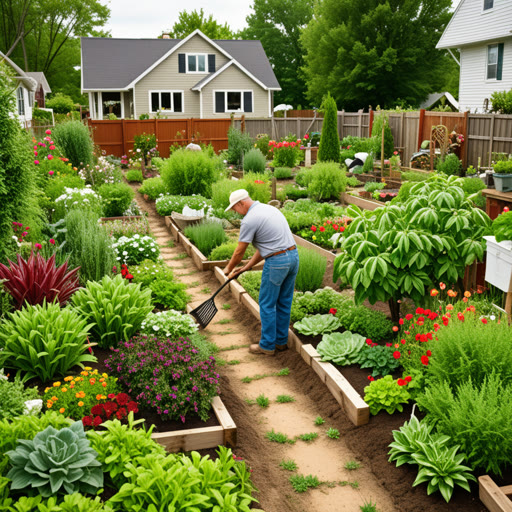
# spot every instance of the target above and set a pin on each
(207, 310)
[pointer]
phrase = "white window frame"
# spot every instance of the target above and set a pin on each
(171, 111)
(484, 10)
(20, 101)
(242, 102)
(495, 45)
(205, 55)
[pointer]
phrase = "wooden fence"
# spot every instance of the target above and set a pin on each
(484, 134)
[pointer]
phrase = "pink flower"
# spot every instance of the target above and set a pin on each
(36, 162)
(35, 153)
(52, 241)
(38, 246)
(48, 132)
(50, 157)
(52, 147)
(24, 233)
(50, 173)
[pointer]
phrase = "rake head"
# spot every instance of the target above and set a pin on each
(205, 312)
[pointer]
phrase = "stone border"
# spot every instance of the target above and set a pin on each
(496, 499)
(204, 437)
(351, 402)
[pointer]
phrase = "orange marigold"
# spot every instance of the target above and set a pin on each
(54, 398)
(56, 384)
(64, 390)
(433, 292)
(467, 294)
(61, 410)
(49, 404)
(68, 378)
(80, 404)
(449, 307)
(92, 382)
(104, 384)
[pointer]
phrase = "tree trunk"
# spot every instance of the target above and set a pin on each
(394, 309)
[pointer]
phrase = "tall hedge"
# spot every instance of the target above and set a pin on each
(17, 171)
(329, 149)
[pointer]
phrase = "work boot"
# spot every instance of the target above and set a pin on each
(280, 348)
(256, 349)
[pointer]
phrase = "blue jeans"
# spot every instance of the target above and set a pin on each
(276, 296)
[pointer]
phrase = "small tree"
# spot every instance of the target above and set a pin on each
(329, 149)
(389, 142)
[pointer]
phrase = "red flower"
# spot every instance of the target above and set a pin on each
(420, 311)
(132, 407)
(121, 413)
(97, 421)
(129, 276)
(401, 382)
(97, 409)
(408, 317)
(87, 421)
(313, 228)
(111, 396)
(408, 379)
(401, 321)
(123, 399)
(333, 311)
(368, 341)
(484, 320)
(396, 354)
(402, 341)
(429, 353)
(322, 229)
(395, 328)
(460, 316)
(423, 338)
(424, 360)
(370, 378)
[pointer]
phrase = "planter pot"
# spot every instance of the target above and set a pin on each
(503, 182)
(498, 268)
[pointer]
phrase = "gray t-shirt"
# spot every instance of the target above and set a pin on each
(266, 227)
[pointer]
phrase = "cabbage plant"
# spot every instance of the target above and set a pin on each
(340, 347)
(317, 324)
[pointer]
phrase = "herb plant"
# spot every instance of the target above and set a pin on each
(502, 227)
(118, 228)
(341, 348)
(56, 461)
(281, 173)
(153, 188)
(43, 341)
(251, 281)
(226, 250)
(206, 236)
(116, 198)
(13, 396)
(310, 436)
(284, 399)
(289, 465)
(319, 421)
(77, 198)
(132, 251)
(170, 323)
(311, 270)
(116, 307)
(386, 394)
(333, 433)
(381, 360)
(254, 161)
(134, 176)
(167, 204)
(278, 437)
(321, 301)
(317, 324)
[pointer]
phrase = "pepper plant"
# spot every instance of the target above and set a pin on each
(401, 249)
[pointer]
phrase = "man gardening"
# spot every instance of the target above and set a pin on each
(267, 229)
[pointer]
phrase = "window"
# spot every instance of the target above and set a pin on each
(233, 101)
(196, 63)
(495, 61)
(171, 101)
(21, 101)
(488, 4)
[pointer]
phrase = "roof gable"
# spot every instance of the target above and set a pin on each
(39, 77)
(470, 24)
(27, 81)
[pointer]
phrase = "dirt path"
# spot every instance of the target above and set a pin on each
(232, 330)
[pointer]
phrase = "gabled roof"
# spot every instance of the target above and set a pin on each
(39, 77)
(433, 98)
(118, 64)
(28, 82)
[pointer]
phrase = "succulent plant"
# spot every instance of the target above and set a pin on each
(56, 461)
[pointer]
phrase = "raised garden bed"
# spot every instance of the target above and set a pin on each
(365, 204)
(495, 498)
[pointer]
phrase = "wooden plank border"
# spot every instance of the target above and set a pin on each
(201, 438)
(495, 498)
(364, 204)
(320, 250)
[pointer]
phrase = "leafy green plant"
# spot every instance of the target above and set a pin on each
(282, 173)
(442, 468)
(56, 461)
(326, 180)
(398, 250)
(289, 465)
(116, 307)
(312, 267)
(251, 281)
(365, 321)
(124, 227)
(310, 436)
(329, 148)
(152, 187)
(262, 401)
(167, 204)
(116, 197)
(278, 437)
(61, 103)
(319, 421)
(386, 394)
(13, 396)
(294, 193)
(77, 199)
(134, 176)
(170, 323)
(43, 341)
(301, 483)
(206, 235)
(352, 465)
(320, 301)
(501, 102)
(451, 165)
(75, 141)
(262, 140)
(372, 186)
(368, 506)
(333, 433)
(503, 167)
(317, 324)
(254, 161)
(238, 144)
(133, 250)
(389, 143)
(502, 227)
(284, 399)
(226, 250)
(341, 348)
(380, 359)
(367, 166)
(417, 176)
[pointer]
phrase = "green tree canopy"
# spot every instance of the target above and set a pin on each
(278, 24)
(190, 21)
(374, 52)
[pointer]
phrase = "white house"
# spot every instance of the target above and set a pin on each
(482, 31)
(25, 89)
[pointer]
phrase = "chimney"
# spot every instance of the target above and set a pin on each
(166, 36)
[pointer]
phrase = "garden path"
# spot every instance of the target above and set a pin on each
(232, 330)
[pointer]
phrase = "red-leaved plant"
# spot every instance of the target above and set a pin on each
(38, 279)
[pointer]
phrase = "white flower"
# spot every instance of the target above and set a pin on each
(125, 253)
(156, 328)
(153, 250)
(33, 407)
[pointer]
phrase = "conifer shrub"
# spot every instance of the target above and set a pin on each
(389, 142)
(329, 149)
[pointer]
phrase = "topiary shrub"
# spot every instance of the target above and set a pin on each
(389, 143)
(329, 149)
(117, 198)
(254, 160)
(134, 175)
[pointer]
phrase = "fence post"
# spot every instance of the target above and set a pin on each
(360, 123)
(491, 140)
(420, 128)
(123, 137)
(466, 141)
(342, 123)
(370, 123)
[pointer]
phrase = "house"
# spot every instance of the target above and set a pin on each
(482, 31)
(42, 87)
(177, 78)
(438, 99)
(25, 89)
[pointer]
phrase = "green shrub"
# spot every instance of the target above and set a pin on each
(366, 322)
(347, 153)
(262, 140)
(389, 143)
(254, 161)
(450, 166)
(77, 198)
(61, 103)
(360, 144)
(282, 173)
(145, 142)
(116, 307)
(226, 250)
(287, 152)
(321, 301)
(75, 142)
(329, 149)
(503, 167)
(56, 186)
(295, 193)
(13, 396)
(257, 191)
(89, 246)
(134, 175)
(42, 115)
(472, 185)
(326, 180)
(418, 176)
(189, 172)
(501, 102)
(66, 453)
(386, 394)
(44, 341)
(311, 270)
(251, 281)
(238, 144)
(116, 197)
(152, 187)
(368, 164)
(372, 186)
(169, 324)
(206, 236)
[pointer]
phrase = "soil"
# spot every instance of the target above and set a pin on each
(233, 329)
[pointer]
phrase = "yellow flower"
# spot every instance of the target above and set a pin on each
(56, 384)
(87, 368)
(467, 294)
(61, 410)
(47, 389)
(85, 374)
(314, 237)
(68, 378)
(104, 375)
(80, 404)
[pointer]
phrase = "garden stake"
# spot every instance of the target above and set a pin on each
(205, 312)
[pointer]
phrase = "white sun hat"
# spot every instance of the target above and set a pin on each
(237, 195)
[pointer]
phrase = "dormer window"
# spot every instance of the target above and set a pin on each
(196, 63)
(488, 4)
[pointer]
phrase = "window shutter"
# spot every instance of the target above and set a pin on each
(500, 61)
(248, 101)
(181, 63)
(219, 102)
(211, 63)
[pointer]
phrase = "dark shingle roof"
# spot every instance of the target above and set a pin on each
(109, 63)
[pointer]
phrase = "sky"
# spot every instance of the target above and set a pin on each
(149, 18)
